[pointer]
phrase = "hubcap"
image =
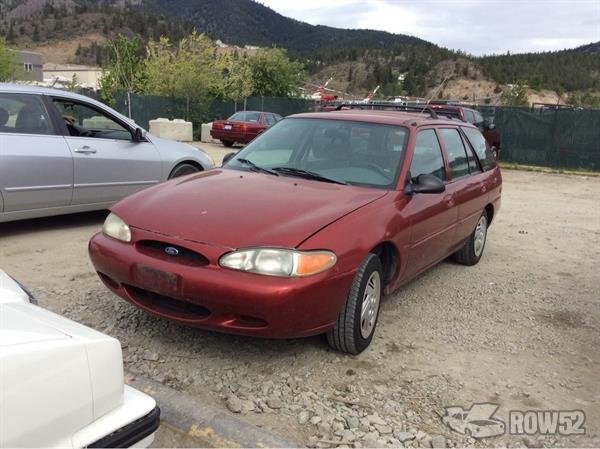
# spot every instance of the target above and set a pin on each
(370, 305)
(480, 233)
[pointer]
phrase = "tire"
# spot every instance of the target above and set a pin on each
(495, 152)
(227, 143)
(353, 332)
(182, 170)
(472, 250)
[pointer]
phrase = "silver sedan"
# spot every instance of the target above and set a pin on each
(61, 153)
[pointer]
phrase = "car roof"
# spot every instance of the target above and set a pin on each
(27, 89)
(382, 117)
(36, 90)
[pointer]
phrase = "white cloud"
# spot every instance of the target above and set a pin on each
(474, 26)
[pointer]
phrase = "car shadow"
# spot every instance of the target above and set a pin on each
(35, 225)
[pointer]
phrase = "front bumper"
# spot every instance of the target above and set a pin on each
(212, 297)
(133, 422)
(133, 433)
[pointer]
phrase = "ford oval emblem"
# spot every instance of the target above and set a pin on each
(171, 251)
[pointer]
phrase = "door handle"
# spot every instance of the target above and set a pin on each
(85, 150)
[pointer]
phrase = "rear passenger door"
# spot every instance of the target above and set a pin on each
(432, 215)
(36, 166)
(465, 182)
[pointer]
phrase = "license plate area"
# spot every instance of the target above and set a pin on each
(227, 127)
(157, 281)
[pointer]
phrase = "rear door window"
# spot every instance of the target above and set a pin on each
(473, 162)
(481, 148)
(427, 157)
(24, 114)
(455, 150)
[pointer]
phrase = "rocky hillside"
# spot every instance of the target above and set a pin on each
(359, 60)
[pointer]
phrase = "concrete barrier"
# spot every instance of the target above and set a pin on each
(177, 129)
(205, 133)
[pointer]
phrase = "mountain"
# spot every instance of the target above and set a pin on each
(76, 30)
(358, 60)
(243, 22)
(565, 70)
(589, 48)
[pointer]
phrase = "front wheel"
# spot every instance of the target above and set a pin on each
(182, 170)
(355, 326)
(472, 250)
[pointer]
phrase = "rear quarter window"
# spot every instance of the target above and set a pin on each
(481, 148)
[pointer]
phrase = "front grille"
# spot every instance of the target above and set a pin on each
(166, 305)
(184, 256)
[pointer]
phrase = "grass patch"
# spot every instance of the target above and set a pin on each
(536, 168)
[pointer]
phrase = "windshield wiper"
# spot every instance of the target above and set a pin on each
(306, 174)
(255, 167)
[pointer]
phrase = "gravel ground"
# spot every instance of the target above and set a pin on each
(520, 329)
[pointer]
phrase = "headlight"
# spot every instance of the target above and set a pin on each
(116, 228)
(279, 262)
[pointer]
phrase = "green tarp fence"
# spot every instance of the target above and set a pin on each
(560, 138)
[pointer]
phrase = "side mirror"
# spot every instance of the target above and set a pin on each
(139, 135)
(426, 183)
(228, 157)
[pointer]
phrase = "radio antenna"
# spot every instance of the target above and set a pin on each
(435, 92)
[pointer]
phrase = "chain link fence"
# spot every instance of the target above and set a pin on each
(557, 138)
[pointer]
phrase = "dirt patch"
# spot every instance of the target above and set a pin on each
(520, 329)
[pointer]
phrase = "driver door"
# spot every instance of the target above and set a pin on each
(432, 216)
(108, 164)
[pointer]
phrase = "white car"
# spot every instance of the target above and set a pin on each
(61, 383)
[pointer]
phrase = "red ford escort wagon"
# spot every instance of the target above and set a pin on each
(303, 230)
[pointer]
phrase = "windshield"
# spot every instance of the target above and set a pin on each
(356, 153)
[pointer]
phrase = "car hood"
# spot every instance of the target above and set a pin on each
(237, 209)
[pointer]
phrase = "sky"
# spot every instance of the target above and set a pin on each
(475, 26)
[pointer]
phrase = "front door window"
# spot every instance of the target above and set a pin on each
(85, 121)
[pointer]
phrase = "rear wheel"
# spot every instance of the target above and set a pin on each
(472, 250)
(357, 320)
(182, 170)
(227, 143)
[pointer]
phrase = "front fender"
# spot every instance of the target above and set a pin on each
(353, 236)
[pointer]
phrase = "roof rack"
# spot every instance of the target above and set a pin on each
(388, 107)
